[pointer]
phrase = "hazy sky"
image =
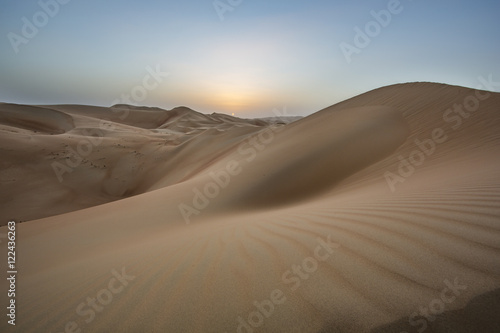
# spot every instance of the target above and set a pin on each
(246, 57)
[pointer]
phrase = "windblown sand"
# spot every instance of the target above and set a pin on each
(378, 214)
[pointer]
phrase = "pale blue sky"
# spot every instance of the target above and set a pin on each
(263, 55)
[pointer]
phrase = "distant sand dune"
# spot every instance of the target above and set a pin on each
(99, 156)
(35, 119)
(314, 195)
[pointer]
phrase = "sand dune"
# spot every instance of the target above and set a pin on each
(378, 214)
(98, 157)
(40, 120)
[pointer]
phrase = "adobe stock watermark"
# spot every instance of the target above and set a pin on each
(30, 28)
(87, 309)
(223, 6)
(94, 137)
(453, 117)
(372, 29)
(248, 149)
(11, 272)
(293, 279)
(437, 306)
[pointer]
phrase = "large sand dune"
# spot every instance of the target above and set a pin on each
(378, 214)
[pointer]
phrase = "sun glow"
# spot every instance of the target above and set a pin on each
(231, 100)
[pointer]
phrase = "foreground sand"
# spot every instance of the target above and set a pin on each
(378, 214)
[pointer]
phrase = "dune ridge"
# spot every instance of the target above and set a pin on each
(94, 155)
(370, 255)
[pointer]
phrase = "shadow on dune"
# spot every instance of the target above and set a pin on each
(314, 154)
(482, 314)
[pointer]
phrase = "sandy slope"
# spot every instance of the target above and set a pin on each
(262, 201)
(57, 159)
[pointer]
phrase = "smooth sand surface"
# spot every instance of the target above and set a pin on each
(378, 214)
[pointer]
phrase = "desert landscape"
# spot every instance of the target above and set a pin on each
(380, 213)
(216, 166)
